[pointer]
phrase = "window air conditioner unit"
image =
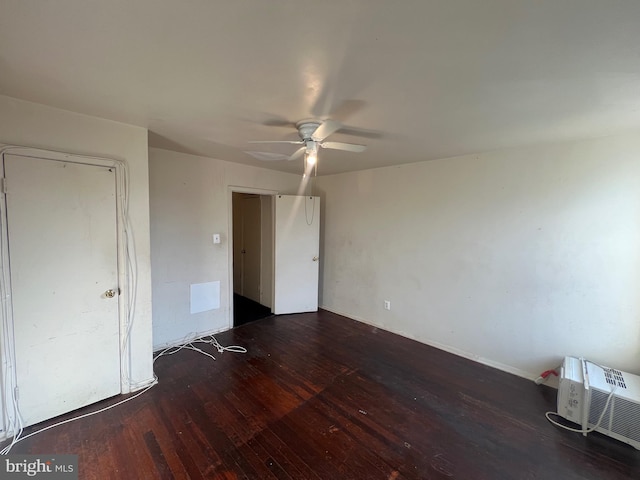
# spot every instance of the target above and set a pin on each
(600, 399)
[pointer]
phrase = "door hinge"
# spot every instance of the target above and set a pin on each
(3, 185)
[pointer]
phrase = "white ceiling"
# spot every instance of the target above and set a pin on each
(415, 80)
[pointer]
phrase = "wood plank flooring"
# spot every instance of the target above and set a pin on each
(319, 396)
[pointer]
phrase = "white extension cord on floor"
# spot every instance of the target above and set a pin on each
(189, 345)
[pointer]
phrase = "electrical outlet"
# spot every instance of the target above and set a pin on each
(387, 305)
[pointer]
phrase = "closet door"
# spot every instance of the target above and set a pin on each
(62, 233)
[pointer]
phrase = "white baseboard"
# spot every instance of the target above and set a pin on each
(134, 387)
(188, 338)
(441, 346)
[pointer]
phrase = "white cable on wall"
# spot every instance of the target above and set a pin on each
(13, 420)
(131, 273)
(313, 210)
(15, 423)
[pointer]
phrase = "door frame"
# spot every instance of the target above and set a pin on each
(126, 264)
(231, 190)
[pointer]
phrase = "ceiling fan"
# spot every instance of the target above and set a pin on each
(312, 137)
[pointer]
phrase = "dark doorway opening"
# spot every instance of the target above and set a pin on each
(246, 310)
(252, 256)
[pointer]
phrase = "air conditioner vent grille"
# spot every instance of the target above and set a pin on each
(598, 401)
(614, 377)
(626, 415)
(626, 419)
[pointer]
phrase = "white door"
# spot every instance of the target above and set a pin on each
(63, 261)
(297, 233)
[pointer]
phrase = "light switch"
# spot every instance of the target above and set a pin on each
(216, 238)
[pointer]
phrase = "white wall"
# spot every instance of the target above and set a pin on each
(514, 258)
(33, 125)
(190, 201)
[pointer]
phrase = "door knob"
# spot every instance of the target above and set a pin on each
(110, 293)
(315, 259)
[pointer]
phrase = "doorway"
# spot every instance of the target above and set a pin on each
(252, 223)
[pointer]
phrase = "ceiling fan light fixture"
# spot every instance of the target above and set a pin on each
(312, 158)
(312, 152)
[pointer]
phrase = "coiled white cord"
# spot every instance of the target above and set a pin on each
(209, 339)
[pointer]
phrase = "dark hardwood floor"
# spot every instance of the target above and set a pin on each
(322, 396)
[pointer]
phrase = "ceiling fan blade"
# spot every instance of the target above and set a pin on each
(349, 147)
(325, 129)
(297, 154)
(291, 142)
(278, 122)
(268, 156)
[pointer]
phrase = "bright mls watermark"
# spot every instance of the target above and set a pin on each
(51, 467)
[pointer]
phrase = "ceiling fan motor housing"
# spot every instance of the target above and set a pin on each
(306, 129)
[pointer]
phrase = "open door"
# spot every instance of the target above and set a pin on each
(296, 236)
